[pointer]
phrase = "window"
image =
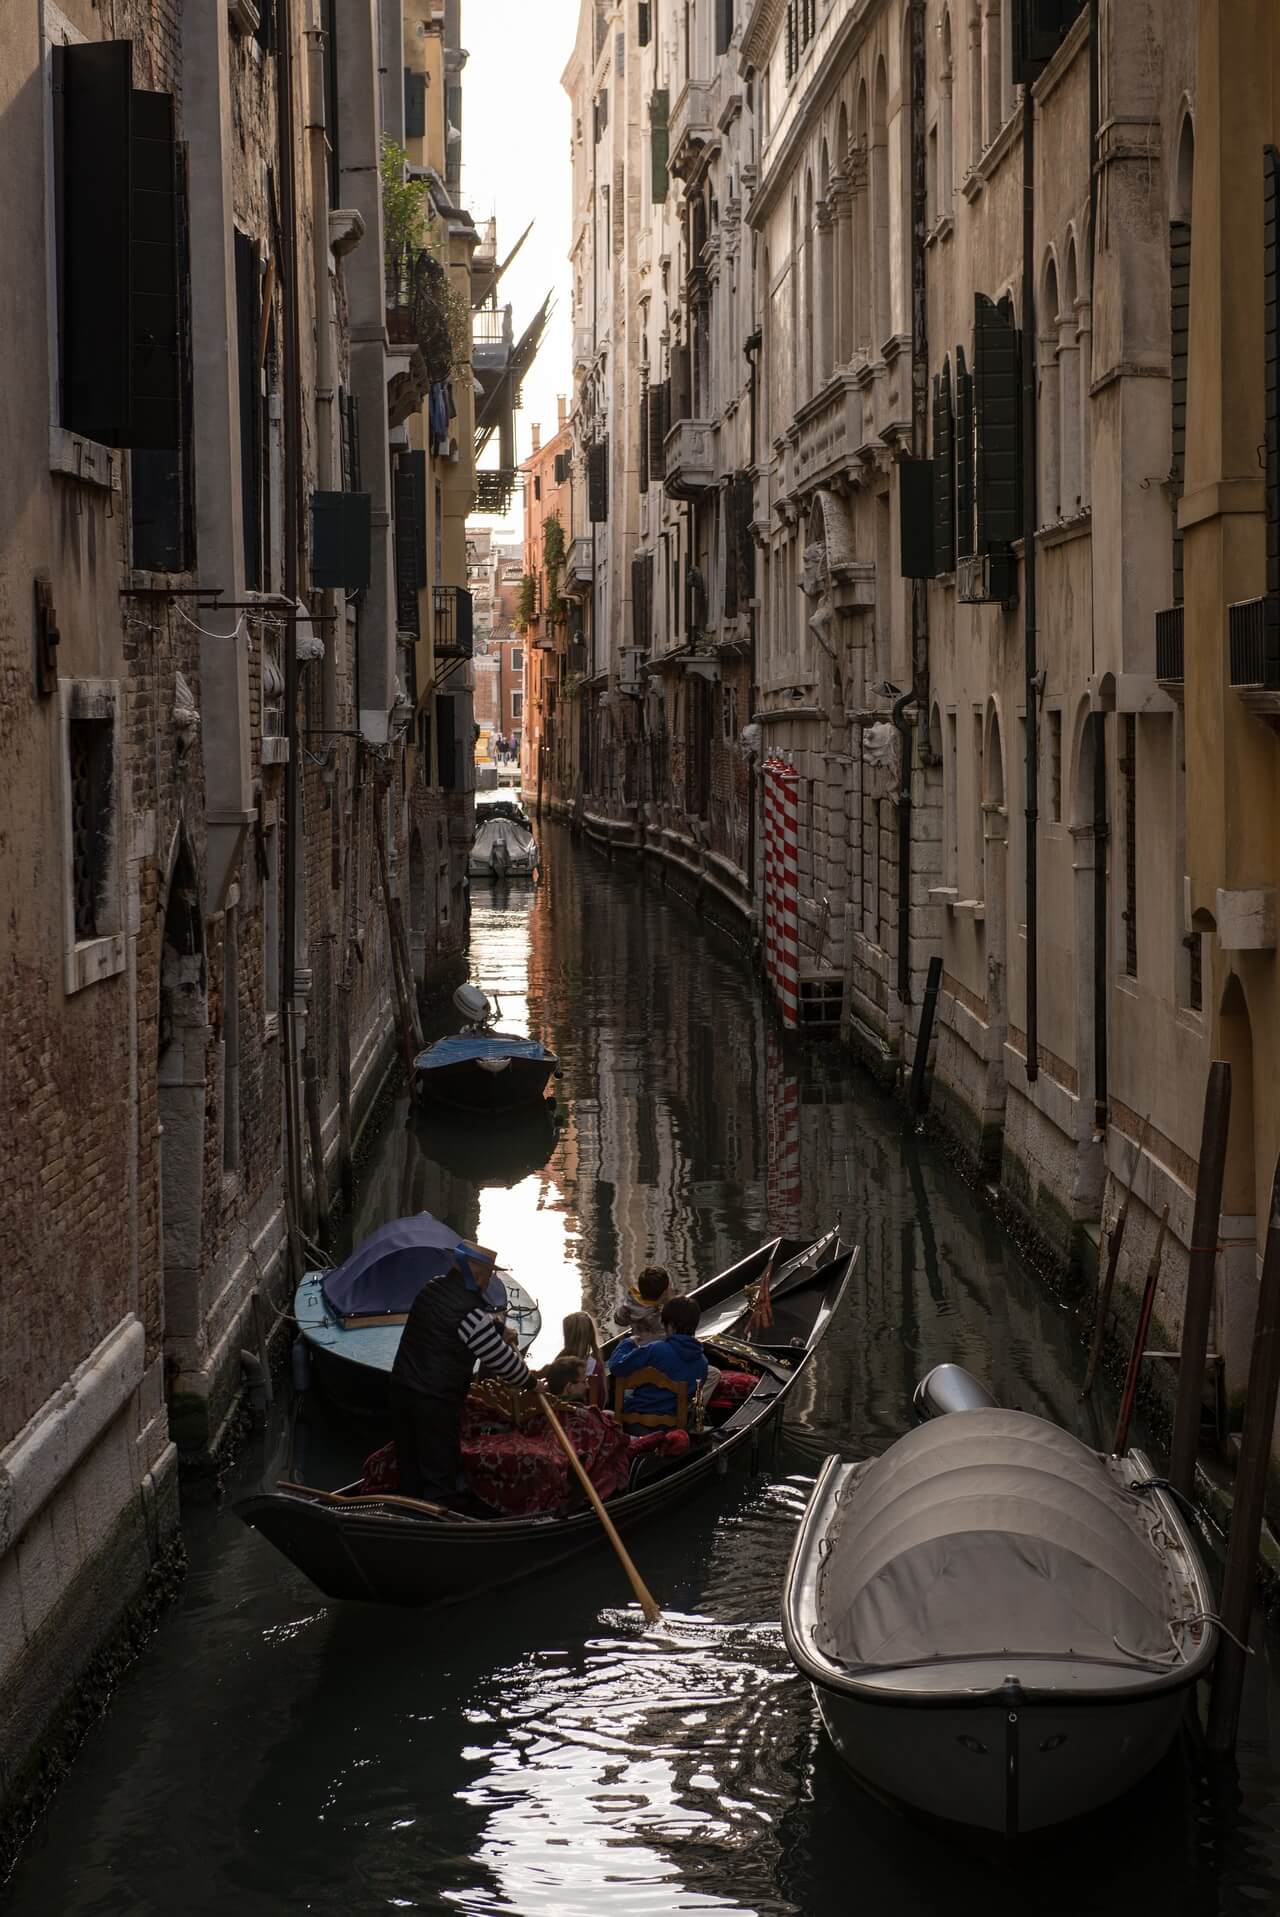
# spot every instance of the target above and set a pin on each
(250, 395)
(1129, 788)
(993, 64)
(231, 1040)
(93, 942)
(517, 658)
(1055, 768)
(439, 522)
(976, 813)
(271, 927)
(517, 706)
(951, 821)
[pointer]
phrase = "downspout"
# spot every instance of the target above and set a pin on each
(919, 693)
(326, 370)
(1098, 720)
(1030, 513)
(752, 351)
(292, 531)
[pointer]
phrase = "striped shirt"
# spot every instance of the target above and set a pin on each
(480, 1333)
(448, 1332)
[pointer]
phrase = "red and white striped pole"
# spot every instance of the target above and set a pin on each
(781, 886)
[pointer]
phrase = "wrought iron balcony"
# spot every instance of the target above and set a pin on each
(454, 634)
(1169, 651)
(1253, 639)
(689, 459)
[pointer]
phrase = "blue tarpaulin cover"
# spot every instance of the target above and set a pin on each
(468, 1045)
(390, 1268)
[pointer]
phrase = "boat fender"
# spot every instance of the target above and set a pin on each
(949, 1388)
(300, 1365)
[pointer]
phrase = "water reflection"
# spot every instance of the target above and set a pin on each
(539, 1751)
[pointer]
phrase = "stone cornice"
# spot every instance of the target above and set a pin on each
(760, 31)
(825, 81)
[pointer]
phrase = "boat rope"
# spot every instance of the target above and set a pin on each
(1185, 1504)
(1178, 1653)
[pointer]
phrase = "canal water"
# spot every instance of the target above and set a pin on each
(540, 1751)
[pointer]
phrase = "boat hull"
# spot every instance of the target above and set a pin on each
(467, 1086)
(379, 1550)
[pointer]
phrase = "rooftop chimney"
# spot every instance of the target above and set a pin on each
(562, 407)
(537, 437)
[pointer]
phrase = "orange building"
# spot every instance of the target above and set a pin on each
(544, 615)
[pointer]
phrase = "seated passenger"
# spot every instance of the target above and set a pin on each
(582, 1340)
(640, 1312)
(566, 1377)
(676, 1353)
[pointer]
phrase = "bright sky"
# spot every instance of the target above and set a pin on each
(515, 164)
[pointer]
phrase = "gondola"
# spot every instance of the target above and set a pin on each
(350, 1320)
(482, 1070)
(389, 1551)
(1002, 1627)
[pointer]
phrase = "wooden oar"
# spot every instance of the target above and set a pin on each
(1113, 1259)
(644, 1597)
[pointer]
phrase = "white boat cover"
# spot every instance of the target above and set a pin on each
(985, 1533)
(500, 845)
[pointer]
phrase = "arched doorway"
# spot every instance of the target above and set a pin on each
(182, 1041)
(1239, 1273)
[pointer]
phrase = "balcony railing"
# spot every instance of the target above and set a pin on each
(1253, 635)
(1169, 650)
(453, 630)
(491, 326)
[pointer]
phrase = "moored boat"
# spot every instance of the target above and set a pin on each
(504, 846)
(350, 1319)
(1001, 1626)
(355, 1545)
(480, 1069)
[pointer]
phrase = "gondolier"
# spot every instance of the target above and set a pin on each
(453, 1326)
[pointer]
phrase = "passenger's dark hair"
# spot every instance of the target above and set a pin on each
(652, 1282)
(681, 1315)
(563, 1371)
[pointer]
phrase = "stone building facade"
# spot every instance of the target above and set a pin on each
(214, 743)
(543, 615)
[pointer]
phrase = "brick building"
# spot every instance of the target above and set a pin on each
(545, 617)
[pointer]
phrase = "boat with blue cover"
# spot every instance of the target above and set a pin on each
(350, 1319)
(480, 1069)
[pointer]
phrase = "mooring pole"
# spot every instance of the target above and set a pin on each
(920, 1063)
(1240, 1575)
(1201, 1265)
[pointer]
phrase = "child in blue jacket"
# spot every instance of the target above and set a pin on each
(677, 1353)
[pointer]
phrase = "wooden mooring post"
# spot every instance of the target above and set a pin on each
(920, 1063)
(1240, 1576)
(1201, 1265)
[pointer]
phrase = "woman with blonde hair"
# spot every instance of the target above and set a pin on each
(582, 1340)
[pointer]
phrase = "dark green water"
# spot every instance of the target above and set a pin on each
(539, 1751)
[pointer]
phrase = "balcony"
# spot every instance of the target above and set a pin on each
(987, 578)
(692, 128)
(453, 630)
(1253, 639)
(1169, 653)
(579, 565)
(689, 459)
(584, 348)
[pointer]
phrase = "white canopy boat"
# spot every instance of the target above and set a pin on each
(1001, 1626)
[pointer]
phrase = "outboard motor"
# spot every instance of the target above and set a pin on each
(473, 1004)
(950, 1388)
(500, 857)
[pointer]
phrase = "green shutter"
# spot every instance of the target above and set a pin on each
(944, 475)
(915, 503)
(996, 379)
(341, 546)
(964, 458)
(658, 142)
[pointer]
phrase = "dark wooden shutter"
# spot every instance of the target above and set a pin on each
(641, 589)
(466, 627)
(341, 551)
(246, 259)
(598, 482)
(944, 474)
(562, 468)
(681, 395)
(915, 505)
(1271, 364)
(266, 34)
(155, 337)
(1038, 29)
(658, 143)
(724, 25)
(642, 444)
(415, 105)
(659, 401)
(744, 506)
(996, 378)
(411, 537)
(446, 744)
(94, 89)
(1179, 330)
(642, 23)
(964, 458)
(729, 551)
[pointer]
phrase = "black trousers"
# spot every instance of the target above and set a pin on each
(428, 1448)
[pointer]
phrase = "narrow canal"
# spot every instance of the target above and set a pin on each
(538, 1751)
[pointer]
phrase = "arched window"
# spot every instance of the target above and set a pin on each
(993, 64)
(1047, 420)
(882, 302)
(862, 268)
(946, 159)
(1070, 435)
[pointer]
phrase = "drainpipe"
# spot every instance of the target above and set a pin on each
(752, 352)
(292, 532)
(1098, 720)
(326, 370)
(1030, 513)
(919, 693)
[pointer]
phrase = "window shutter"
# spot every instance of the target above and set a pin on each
(93, 87)
(730, 553)
(964, 458)
(340, 541)
(598, 482)
(996, 376)
(415, 105)
(562, 468)
(466, 627)
(1179, 325)
(641, 601)
(744, 505)
(446, 745)
(266, 34)
(944, 475)
(155, 357)
(643, 441)
(1038, 29)
(249, 382)
(642, 24)
(658, 142)
(658, 409)
(724, 25)
(411, 538)
(915, 504)
(681, 398)
(1271, 359)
